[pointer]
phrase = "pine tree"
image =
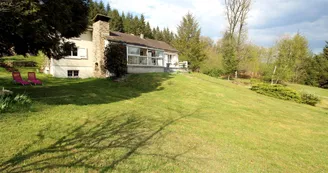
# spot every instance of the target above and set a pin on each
(325, 51)
(108, 9)
(135, 26)
(116, 22)
(159, 34)
(154, 33)
(229, 57)
(142, 25)
(188, 42)
(102, 9)
(94, 9)
(148, 31)
(127, 23)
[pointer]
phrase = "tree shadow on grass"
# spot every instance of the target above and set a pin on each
(93, 91)
(92, 146)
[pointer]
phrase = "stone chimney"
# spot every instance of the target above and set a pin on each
(142, 36)
(99, 34)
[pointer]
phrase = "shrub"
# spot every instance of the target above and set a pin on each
(310, 99)
(11, 102)
(285, 93)
(115, 59)
(277, 91)
(215, 72)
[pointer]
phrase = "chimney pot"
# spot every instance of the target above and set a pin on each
(142, 36)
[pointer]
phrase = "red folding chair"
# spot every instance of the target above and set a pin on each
(18, 79)
(32, 78)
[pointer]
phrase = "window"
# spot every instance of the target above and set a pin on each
(169, 58)
(72, 73)
(74, 51)
(133, 60)
(144, 56)
(156, 62)
(143, 52)
(133, 51)
(77, 53)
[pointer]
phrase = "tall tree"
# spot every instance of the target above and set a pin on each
(127, 23)
(188, 42)
(317, 69)
(108, 9)
(159, 34)
(116, 22)
(236, 13)
(32, 26)
(101, 7)
(292, 52)
(96, 8)
(229, 58)
(148, 31)
(142, 25)
(135, 26)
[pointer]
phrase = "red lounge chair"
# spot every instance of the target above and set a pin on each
(32, 78)
(18, 79)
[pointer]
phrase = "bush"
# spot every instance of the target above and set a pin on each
(115, 59)
(11, 102)
(277, 91)
(310, 99)
(285, 93)
(215, 72)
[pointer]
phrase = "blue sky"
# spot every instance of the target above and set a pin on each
(268, 20)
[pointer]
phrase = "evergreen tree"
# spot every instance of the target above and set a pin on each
(101, 8)
(159, 34)
(116, 22)
(317, 69)
(168, 36)
(108, 9)
(142, 25)
(135, 26)
(229, 58)
(127, 23)
(188, 42)
(148, 31)
(154, 33)
(96, 8)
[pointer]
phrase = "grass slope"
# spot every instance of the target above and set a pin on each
(160, 123)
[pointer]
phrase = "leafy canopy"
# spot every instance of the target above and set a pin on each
(115, 59)
(40, 25)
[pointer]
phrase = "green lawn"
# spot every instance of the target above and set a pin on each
(160, 123)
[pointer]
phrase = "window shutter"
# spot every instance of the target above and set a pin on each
(82, 52)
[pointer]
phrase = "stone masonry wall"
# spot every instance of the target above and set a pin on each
(100, 32)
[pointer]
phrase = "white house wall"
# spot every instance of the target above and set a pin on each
(85, 66)
(174, 60)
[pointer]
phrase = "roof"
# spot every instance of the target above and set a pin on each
(101, 17)
(136, 40)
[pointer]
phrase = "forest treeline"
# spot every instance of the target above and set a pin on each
(129, 23)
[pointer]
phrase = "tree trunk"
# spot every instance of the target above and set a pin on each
(274, 72)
